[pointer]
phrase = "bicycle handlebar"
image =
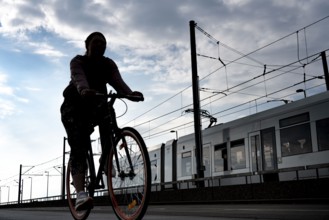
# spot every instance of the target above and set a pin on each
(134, 98)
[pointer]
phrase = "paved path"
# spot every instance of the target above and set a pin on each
(185, 212)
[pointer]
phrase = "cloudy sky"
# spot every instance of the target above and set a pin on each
(150, 42)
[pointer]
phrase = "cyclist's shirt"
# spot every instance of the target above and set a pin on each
(88, 73)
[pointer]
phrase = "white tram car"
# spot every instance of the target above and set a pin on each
(289, 142)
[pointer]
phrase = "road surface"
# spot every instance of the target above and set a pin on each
(185, 212)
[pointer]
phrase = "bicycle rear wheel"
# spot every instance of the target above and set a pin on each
(72, 194)
(129, 184)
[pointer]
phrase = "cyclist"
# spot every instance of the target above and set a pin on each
(81, 108)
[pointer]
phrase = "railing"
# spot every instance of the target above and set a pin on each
(192, 183)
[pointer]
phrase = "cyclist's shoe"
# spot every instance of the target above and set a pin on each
(83, 202)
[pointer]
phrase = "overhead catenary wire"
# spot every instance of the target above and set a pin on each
(250, 86)
(288, 71)
(234, 89)
(190, 124)
(242, 104)
(35, 168)
(230, 62)
(231, 108)
(231, 89)
(267, 45)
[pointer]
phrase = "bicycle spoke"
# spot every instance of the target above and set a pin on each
(129, 189)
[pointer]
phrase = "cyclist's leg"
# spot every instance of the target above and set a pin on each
(104, 133)
(78, 168)
(71, 198)
(79, 145)
(79, 141)
(73, 124)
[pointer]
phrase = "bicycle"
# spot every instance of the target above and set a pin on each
(127, 165)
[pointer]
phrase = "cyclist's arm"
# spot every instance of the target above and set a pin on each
(78, 75)
(115, 79)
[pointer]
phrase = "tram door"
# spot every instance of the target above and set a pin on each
(263, 153)
(269, 149)
(256, 151)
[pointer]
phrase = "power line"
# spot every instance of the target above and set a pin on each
(267, 45)
(229, 90)
(242, 55)
(239, 91)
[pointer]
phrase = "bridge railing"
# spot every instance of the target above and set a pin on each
(236, 179)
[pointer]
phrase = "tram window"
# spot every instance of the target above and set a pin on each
(206, 161)
(220, 157)
(296, 139)
(154, 171)
(238, 154)
(187, 164)
(322, 130)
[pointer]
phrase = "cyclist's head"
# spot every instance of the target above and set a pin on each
(95, 44)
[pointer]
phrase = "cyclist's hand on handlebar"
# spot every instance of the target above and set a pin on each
(88, 93)
(136, 96)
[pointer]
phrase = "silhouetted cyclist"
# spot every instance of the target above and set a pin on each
(82, 108)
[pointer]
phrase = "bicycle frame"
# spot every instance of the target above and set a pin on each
(97, 182)
(119, 149)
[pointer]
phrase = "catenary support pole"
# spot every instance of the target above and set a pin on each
(196, 106)
(19, 184)
(63, 170)
(325, 68)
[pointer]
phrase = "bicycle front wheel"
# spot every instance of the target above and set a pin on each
(129, 176)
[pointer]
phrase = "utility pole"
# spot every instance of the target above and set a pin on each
(63, 170)
(19, 184)
(22, 191)
(196, 107)
(325, 68)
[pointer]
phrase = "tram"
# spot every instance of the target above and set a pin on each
(289, 142)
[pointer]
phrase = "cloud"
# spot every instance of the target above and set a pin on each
(158, 30)
(35, 89)
(7, 107)
(10, 101)
(46, 50)
(150, 42)
(4, 88)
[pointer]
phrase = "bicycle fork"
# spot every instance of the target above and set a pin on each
(131, 174)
